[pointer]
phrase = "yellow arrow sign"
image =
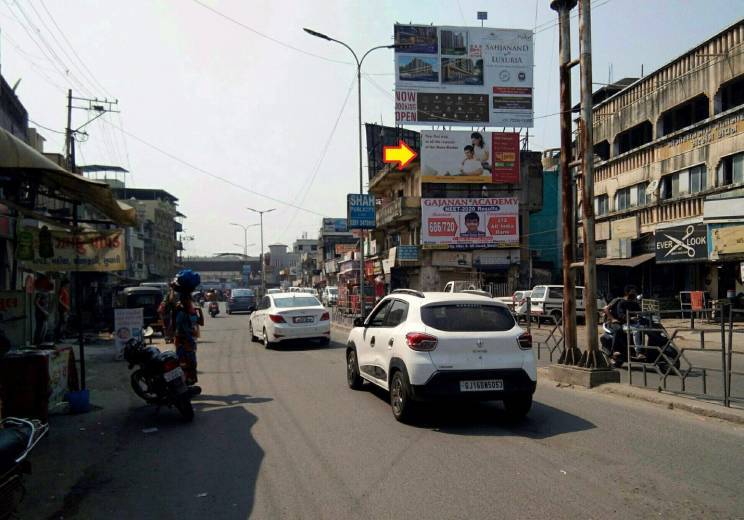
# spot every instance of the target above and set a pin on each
(400, 154)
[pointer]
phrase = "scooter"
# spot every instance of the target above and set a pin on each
(159, 378)
(643, 330)
(17, 438)
(214, 309)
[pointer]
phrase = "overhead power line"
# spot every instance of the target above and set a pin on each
(208, 173)
(266, 36)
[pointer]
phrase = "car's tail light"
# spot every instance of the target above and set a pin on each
(525, 341)
(170, 364)
(421, 342)
(277, 318)
(326, 316)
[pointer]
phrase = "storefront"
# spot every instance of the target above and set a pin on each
(724, 219)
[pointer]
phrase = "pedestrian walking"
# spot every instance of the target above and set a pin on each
(63, 309)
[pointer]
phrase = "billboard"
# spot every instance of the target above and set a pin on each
(379, 136)
(463, 76)
(45, 251)
(469, 157)
(455, 223)
(682, 244)
(360, 211)
(335, 225)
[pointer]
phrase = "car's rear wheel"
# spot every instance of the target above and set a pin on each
(266, 342)
(518, 406)
(400, 397)
(353, 378)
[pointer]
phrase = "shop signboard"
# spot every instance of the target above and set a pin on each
(97, 251)
(463, 76)
(469, 157)
(409, 253)
(128, 324)
(360, 211)
(334, 225)
(453, 223)
(727, 240)
(682, 244)
(342, 249)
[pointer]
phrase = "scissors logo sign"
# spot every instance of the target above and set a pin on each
(677, 243)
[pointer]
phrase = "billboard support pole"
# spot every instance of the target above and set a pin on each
(571, 353)
(591, 358)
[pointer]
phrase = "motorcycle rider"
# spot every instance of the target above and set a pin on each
(617, 313)
(186, 321)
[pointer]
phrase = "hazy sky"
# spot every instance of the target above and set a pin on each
(239, 103)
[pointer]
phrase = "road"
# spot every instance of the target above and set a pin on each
(279, 435)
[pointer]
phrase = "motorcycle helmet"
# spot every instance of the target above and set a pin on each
(186, 281)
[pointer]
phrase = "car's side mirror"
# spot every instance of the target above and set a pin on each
(359, 322)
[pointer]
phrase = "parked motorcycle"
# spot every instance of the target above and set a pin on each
(643, 330)
(214, 309)
(17, 438)
(159, 378)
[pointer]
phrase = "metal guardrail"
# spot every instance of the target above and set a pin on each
(697, 371)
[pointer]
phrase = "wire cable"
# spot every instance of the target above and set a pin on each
(208, 173)
(266, 36)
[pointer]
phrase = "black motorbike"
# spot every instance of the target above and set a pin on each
(159, 378)
(644, 330)
(214, 309)
(17, 438)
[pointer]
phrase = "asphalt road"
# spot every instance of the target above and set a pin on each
(279, 435)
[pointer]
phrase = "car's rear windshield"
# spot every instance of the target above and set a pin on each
(538, 292)
(333, 290)
(467, 317)
(297, 301)
(237, 293)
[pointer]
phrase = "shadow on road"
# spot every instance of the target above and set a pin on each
(490, 419)
(204, 469)
(293, 345)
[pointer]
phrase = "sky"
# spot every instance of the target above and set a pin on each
(228, 104)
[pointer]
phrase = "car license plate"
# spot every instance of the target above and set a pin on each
(303, 319)
(173, 374)
(484, 385)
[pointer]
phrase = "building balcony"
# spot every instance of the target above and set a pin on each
(389, 177)
(400, 210)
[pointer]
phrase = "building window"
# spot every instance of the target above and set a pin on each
(641, 193)
(633, 137)
(698, 179)
(601, 205)
(731, 94)
(622, 199)
(730, 170)
(683, 115)
(683, 182)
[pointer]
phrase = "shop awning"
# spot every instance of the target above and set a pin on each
(634, 261)
(18, 161)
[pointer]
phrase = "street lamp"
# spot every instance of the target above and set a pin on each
(263, 268)
(245, 235)
(361, 177)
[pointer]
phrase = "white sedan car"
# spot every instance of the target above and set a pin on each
(286, 316)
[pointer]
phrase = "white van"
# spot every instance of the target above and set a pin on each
(547, 301)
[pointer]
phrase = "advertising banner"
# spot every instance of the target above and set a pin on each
(682, 244)
(378, 137)
(360, 211)
(469, 157)
(408, 253)
(342, 249)
(127, 325)
(463, 76)
(99, 251)
(334, 225)
(454, 223)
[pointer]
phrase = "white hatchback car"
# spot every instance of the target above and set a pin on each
(428, 346)
(286, 316)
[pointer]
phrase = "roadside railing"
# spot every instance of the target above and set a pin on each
(687, 365)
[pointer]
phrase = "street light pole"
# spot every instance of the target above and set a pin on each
(245, 235)
(361, 174)
(263, 267)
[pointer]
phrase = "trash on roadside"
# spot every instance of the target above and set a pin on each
(149, 430)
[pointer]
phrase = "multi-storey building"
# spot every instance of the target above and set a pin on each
(670, 175)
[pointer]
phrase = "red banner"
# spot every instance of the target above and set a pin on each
(505, 147)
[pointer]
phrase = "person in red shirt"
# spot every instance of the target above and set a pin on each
(63, 309)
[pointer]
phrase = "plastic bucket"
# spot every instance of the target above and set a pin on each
(79, 401)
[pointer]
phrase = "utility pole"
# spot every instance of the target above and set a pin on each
(591, 358)
(102, 107)
(571, 353)
(263, 267)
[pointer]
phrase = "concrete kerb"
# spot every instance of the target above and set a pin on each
(667, 400)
